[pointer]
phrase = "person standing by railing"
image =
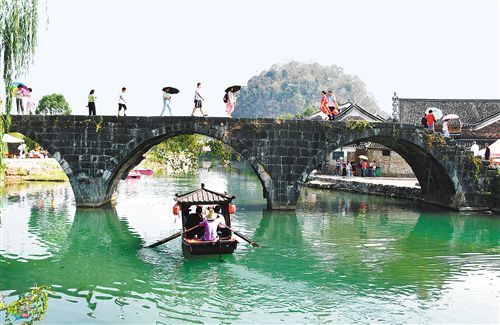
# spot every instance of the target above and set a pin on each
(430, 121)
(332, 106)
(91, 102)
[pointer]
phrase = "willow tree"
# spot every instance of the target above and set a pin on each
(18, 30)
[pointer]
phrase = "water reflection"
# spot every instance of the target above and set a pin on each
(337, 254)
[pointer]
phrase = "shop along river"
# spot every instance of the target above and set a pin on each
(339, 258)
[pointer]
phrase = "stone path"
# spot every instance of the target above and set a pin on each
(399, 182)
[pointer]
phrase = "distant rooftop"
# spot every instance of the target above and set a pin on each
(471, 111)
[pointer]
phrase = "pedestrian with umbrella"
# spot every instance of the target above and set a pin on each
(19, 99)
(430, 120)
(167, 97)
(230, 99)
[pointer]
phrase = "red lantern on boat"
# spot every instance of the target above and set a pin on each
(176, 209)
(232, 208)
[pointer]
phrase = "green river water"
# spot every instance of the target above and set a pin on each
(341, 258)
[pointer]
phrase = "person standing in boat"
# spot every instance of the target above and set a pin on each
(211, 224)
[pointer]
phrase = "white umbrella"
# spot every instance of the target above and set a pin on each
(7, 138)
(495, 148)
(450, 117)
(363, 157)
(438, 114)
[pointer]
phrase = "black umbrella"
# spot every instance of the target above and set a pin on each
(233, 89)
(170, 90)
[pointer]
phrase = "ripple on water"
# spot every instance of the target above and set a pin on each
(340, 258)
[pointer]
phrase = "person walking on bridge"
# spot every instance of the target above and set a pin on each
(166, 102)
(122, 102)
(230, 103)
(332, 106)
(198, 99)
(324, 105)
(430, 121)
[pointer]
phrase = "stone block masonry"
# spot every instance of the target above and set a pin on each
(96, 152)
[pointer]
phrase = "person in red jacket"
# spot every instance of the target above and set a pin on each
(363, 168)
(324, 104)
(430, 120)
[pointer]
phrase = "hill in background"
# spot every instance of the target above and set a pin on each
(295, 86)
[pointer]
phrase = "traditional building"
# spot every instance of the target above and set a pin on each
(479, 118)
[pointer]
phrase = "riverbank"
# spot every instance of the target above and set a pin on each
(33, 170)
(405, 188)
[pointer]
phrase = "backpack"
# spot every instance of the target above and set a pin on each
(225, 99)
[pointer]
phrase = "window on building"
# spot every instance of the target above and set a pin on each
(386, 153)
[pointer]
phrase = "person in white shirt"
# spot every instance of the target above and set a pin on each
(475, 149)
(122, 102)
(219, 215)
(332, 103)
(198, 99)
(166, 103)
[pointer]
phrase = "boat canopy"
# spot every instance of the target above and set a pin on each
(203, 196)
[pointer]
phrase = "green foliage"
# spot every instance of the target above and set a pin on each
(181, 153)
(293, 87)
(54, 104)
(476, 163)
(18, 34)
(302, 114)
(434, 138)
(100, 124)
(30, 307)
(358, 125)
(32, 144)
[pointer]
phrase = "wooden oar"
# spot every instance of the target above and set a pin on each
(254, 244)
(163, 241)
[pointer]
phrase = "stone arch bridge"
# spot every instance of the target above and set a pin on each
(96, 152)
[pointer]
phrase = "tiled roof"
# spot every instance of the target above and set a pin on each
(349, 107)
(491, 131)
(471, 111)
(203, 196)
(346, 109)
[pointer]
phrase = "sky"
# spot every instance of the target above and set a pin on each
(420, 49)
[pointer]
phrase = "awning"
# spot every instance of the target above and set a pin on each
(7, 138)
(203, 196)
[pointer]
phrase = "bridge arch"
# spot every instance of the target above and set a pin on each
(134, 150)
(437, 178)
(96, 152)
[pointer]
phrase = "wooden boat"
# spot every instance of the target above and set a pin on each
(191, 241)
(144, 171)
(133, 175)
